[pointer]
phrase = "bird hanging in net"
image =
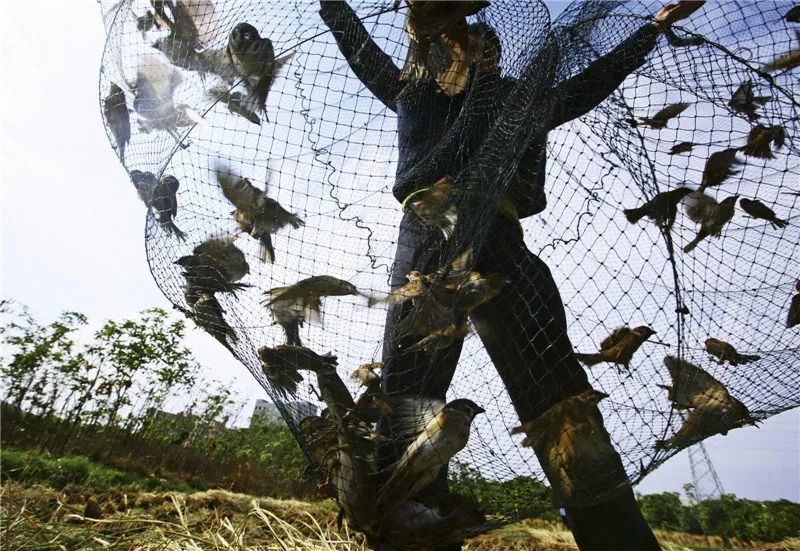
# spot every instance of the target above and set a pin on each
(522, 223)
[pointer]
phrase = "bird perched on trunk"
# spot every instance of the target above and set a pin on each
(282, 363)
(442, 430)
(439, 44)
(256, 214)
(760, 138)
(215, 265)
(787, 61)
(165, 205)
(746, 102)
(209, 315)
(793, 316)
(115, 109)
(619, 347)
(660, 119)
(572, 445)
(757, 209)
(716, 217)
(662, 208)
(434, 208)
(719, 167)
(727, 353)
(254, 60)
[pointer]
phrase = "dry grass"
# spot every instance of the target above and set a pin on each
(37, 517)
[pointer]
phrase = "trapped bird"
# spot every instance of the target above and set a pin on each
(439, 44)
(190, 24)
(692, 386)
(165, 205)
(760, 138)
(209, 315)
(115, 110)
(314, 286)
(660, 119)
(366, 374)
(254, 60)
(787, 61)
(662, 208)
(434, 208)
(746, 102)
(682, 147)
(291, 315)
(793, 15)
(757, 209)
(442, 430)
(572, 444)
(619, 347)
(236, 102)
(146, 22)
(698, 206)
(442, 338)
(719, 167)
(727, 353)
(282, 363)
(793, 316)
(416, 287)
(145, 184)
(215, 265)
(716, 217)
(256, 214)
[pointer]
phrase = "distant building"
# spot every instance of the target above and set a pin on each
(299, 410)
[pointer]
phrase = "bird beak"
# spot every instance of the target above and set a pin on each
(479, 410)
(602, 395)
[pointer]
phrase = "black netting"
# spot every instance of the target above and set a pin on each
(588, 115)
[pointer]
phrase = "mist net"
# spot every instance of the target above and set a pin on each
(508, 208)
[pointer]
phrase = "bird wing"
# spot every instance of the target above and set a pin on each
(615, 338)
(670, 111)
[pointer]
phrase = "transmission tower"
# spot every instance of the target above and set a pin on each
(706, 483)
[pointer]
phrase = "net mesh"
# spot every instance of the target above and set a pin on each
(353, 125)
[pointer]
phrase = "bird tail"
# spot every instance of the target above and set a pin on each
(634, 215)
(589, 359)
(295, 221)
(266, 251)
(373, 300)
(693, 243)
(760, 149)
(778, 223)
(747, 358)
(662, 445)
(292, 330)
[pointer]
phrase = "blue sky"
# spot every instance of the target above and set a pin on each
(72, 226)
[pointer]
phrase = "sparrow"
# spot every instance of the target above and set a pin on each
(292, 315)
(793, 316)
(209, 315)
(118, 119)
(572, 445)
(442, 431)
(757, 209)
(692, 386)
(707, 420)
(727, 353)
(417, 285)
(315, 286)
(682, 147)
(660, 119)
(215, 265)
(366, 374)
(237, 102)
(698, 206)
(190, 23)
(254, 60)
(787, 61)
(619, 347)
(719, 167)
(165, 205)
(745, 102)
(154, 99)
(441, 339)
(145, 184)
(321, 440)
(662, 208)
(439, 43)
(760, 138)
(434, 208)
(282, 363)
(712, 224)
(146, 22)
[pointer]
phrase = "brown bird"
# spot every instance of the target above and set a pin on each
(315, 286)
(793, 15)
(442, 430)
(366, 374)
(698, 206)
(282, 363)
(682, 147)
(572, 446)
(757, 209)
(719, 167)
(439, 43)
(662, 208)
(209, 315)
(727, 353)
(236, 102)
(321, 441)
(712, 224)
(443, 338)
(118, 119)
(291, 315)
(744, 101)
(760, 138)
(434, 208)
(165, 205)
(692, 386)
(619, 347)
(215, 265)
(787, 61)
(416, 287)
(660, 119)
(793, 317)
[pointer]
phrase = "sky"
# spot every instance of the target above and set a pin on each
(72, 227)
